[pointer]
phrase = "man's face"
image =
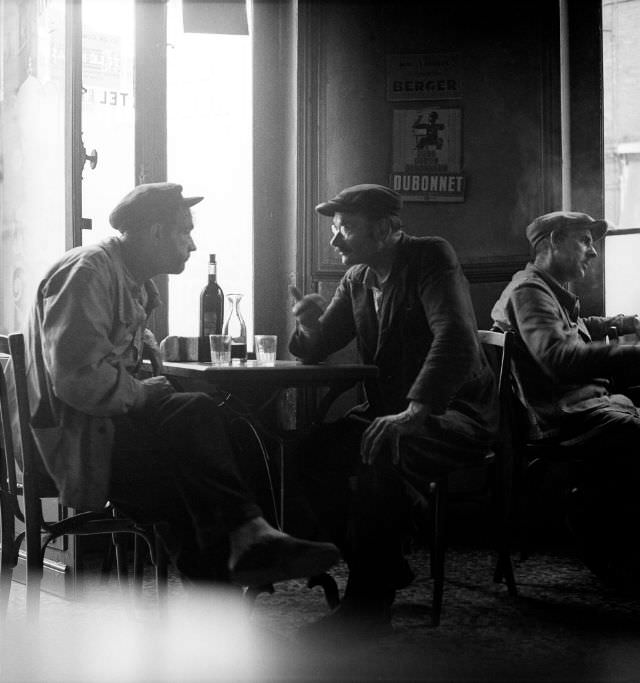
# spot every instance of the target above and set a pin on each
(572, 254)
(176, 243)
(354, 238)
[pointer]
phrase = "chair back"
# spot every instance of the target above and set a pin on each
(32, 482)
(9, 480)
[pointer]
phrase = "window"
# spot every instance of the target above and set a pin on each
(621, 61)
(209, 150)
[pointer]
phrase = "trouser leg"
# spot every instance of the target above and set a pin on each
(174, 463)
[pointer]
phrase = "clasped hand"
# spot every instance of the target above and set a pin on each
(383, 434)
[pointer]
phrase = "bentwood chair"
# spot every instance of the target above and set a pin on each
(23, 490)
(497, 464)
(498, 349)
(530, 462)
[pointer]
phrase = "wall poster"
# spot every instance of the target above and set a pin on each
(427, 154)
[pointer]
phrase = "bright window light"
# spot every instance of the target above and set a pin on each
(210, 153)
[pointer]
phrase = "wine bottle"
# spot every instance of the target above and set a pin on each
(211, 303)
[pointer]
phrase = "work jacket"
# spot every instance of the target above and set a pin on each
(564, 365)
(84, 345)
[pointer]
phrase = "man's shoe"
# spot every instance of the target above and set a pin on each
(280, 558)
(350, 622)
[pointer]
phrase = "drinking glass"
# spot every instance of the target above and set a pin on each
(220, 345)
(265, 348)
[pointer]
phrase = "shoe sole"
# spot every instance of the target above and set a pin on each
(302, 565)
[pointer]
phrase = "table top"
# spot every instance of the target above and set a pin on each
(289, 373)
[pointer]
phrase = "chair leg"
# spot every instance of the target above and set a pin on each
(8, 555)
(162, 569)
(121, 560)
(439, 497)
(139, 552)
(35, 561)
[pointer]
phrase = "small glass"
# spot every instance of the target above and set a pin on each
(220, 345)
(265, 348)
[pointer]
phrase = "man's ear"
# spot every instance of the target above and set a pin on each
(381, 229)
(156, 231)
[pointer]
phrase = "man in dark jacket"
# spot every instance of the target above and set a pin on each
(575, 383)
(406, 303)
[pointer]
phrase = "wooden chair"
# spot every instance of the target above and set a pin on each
(497, 462)
(498, 348)
(530, 460)
(32, 485)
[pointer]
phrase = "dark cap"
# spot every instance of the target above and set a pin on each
(372, 200)
(556, 221)
(147, 204)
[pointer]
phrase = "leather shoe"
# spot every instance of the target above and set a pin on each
(280, 558)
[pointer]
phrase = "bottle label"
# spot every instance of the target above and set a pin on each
(209, 323)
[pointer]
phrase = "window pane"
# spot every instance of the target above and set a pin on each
(32, 133)
(108, 116)
(622, 265)
(621, 74)
(209, 150)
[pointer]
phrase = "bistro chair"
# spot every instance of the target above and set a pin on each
(497, 465)
(532, 460)
(23, 490)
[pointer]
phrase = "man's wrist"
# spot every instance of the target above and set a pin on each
(418, 409)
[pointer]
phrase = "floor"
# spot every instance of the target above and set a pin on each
(564, 626)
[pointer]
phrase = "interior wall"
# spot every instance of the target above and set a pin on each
(275, 165)
(508, 66)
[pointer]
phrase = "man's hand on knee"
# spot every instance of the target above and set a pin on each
(383, 435)
(156, 388)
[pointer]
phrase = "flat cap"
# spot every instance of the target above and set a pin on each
(556, 221)
(147, 204)
(373, 200)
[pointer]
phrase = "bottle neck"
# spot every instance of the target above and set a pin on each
(213, 272)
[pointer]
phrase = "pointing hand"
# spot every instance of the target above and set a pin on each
(307, 308)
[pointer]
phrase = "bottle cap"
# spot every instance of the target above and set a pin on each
(212, 258)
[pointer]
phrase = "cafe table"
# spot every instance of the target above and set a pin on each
(253, 389)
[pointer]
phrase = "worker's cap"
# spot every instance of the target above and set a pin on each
(149, 203)
(559, 221)
(376, 201)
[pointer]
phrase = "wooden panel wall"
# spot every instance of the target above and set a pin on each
(508, 55)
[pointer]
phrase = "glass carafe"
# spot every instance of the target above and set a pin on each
(236, 328)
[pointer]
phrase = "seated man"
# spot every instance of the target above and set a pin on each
(105, 435)
(567, 369)
(406, 303)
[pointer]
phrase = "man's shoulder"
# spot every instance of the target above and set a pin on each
(428, 252)
(90, 259)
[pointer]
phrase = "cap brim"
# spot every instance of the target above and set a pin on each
(599, 229)
(190, 201)
(328, 208)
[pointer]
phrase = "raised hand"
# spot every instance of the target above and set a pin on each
(307, 308)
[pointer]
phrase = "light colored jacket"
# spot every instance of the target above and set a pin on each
(84, 344)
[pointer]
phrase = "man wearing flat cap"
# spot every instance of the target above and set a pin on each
(573, 380)
(106, 435)
(406, 303)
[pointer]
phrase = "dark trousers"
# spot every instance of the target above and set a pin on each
(173, 463)
(368, 510)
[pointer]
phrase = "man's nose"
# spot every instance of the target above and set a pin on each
(336, 240)
(192, 245)
(591, 252)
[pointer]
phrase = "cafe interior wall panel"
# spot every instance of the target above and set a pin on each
(508, 57)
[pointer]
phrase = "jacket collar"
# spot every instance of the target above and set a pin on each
(567, 299)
